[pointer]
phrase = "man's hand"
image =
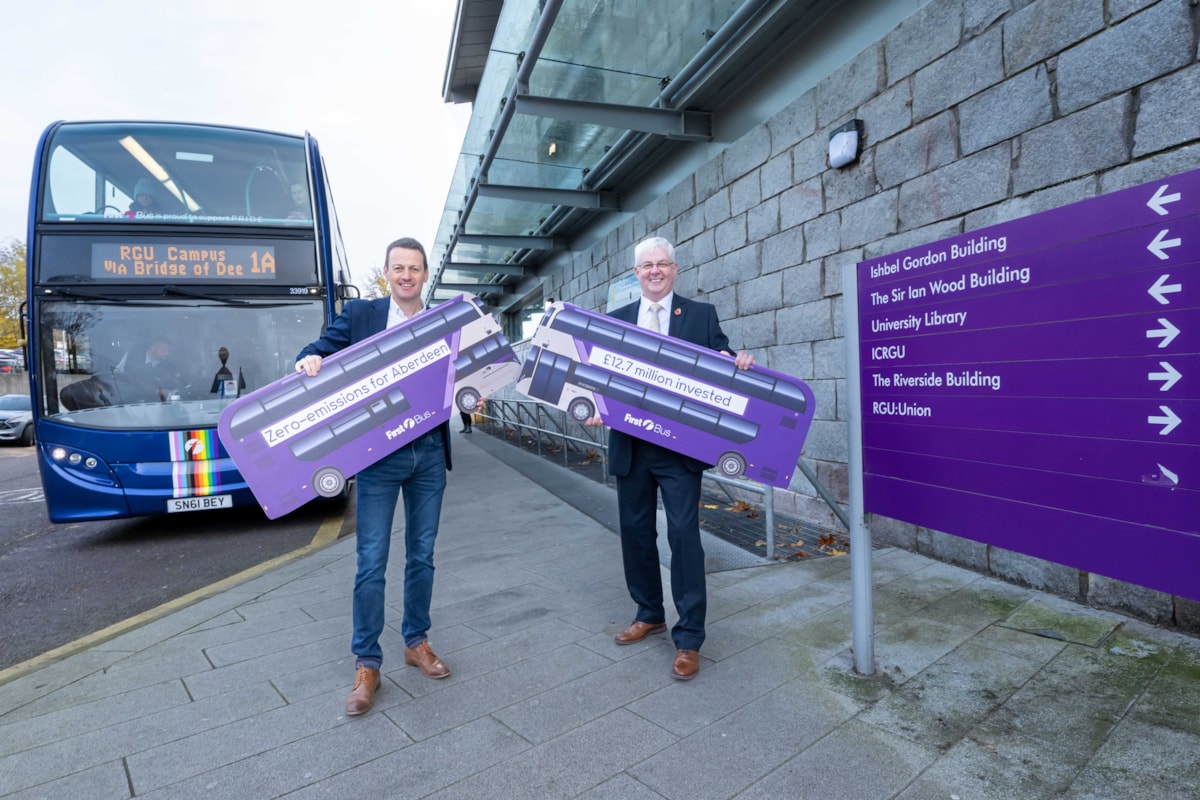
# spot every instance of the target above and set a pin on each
(741, 360)
(594, 422)
(309, 365)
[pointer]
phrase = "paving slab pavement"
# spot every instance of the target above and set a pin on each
(982, 689)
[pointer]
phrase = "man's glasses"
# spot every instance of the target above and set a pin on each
(662, 265)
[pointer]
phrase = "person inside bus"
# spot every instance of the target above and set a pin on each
(149, 375)
(145, 197)
(300, 205)
(643, 469)
(417, 470)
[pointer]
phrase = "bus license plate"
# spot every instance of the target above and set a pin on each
(199, 503)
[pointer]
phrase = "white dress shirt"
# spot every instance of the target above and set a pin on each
(396, 314)
(664, 312)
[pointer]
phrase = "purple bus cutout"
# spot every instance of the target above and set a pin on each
(300, 437)
(1035, 385)
(687, 398)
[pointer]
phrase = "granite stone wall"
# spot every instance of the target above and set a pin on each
(974, 112)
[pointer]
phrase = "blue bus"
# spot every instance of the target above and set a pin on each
(171, 267)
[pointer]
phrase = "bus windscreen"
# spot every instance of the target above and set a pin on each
(749, 423)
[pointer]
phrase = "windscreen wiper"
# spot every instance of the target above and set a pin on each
(63, 290)
(231, 301)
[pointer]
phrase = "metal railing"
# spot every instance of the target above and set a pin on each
(546, 424)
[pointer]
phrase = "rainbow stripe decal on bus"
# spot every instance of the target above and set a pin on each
(300, 438)
(749, 423)
(193, 463)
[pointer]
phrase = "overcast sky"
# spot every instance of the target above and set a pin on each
(363, 76)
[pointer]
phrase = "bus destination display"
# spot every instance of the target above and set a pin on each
(300, 438)
(1033, 385)
(156, 261)
(689, 399)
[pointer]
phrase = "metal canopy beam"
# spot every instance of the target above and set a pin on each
(574, 198)
(483, 269)
(476, 288)
(693, 126)
(554, 243)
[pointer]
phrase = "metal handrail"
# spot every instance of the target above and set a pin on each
(516, 414)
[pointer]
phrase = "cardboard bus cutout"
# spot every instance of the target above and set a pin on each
(300, 437)
(689, 399)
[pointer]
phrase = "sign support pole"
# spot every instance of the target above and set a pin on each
(860, 536)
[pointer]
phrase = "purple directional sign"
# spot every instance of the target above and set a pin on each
(1036, 385)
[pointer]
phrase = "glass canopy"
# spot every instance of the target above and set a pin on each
(616, 52)
(577, 103)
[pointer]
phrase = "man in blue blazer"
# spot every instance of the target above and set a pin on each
(418, 469)
(642, 469)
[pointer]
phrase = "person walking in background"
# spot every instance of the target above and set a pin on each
(418, 470)
(466, 420)
(642, 469)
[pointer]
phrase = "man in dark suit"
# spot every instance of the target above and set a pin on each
(418, 469)
(642, 469)
(150, 376)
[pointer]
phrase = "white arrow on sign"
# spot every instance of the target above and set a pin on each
(1161, 288)
(1166, 473)
(1159, 200)
(1170, 375)
(1160, 245)
(1167, 332)
(1168, 420)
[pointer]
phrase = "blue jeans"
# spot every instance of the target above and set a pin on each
(419, 471)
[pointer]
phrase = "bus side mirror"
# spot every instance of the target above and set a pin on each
(347, 291)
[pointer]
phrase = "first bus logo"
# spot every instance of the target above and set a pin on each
(408, 424)
(647, 424)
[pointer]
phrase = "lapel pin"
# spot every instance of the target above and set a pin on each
(678, 311)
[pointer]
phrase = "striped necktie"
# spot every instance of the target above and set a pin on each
(652, 318)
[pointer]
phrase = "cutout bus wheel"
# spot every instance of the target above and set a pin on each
(328, 482)
(581, 409)
(467, 400)
(731, 464)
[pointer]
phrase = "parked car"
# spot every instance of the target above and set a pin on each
(16, 419)
(10, 364)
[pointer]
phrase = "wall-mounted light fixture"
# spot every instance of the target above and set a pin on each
(845, 144)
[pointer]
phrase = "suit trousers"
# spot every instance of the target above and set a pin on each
(653, 468)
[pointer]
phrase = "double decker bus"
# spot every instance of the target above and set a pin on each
(171, 267)
(301, 438)
(749, 423)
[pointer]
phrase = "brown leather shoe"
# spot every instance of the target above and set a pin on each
(687, 664)
(362, 696)
(422, 656)
(638, 631)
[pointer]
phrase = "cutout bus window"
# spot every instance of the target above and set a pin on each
(749, 423)
(299, 437)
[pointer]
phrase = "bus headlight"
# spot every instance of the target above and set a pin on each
(73, 458)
